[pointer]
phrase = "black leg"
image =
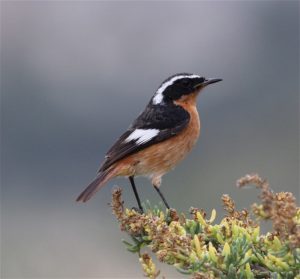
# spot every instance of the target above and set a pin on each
(162, 196)
(136, 193)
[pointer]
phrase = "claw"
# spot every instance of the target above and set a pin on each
(139, 210)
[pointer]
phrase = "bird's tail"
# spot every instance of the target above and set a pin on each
(96, 185)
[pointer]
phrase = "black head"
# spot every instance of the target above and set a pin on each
(174, 87)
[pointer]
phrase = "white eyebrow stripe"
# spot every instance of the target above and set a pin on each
(158, 97)
(142, 135)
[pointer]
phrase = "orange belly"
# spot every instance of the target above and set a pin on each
(158, 159)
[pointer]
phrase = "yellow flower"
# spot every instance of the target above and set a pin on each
(226, 250)
(177, 228)
(213, 216)
(201, 219)
(278, 262)
(255, 234)
(212, 252)
(197, 246)
(148, 266)
(248, 271)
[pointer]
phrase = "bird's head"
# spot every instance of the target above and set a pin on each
(180, 85)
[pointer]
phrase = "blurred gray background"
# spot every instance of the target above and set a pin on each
(75, 74)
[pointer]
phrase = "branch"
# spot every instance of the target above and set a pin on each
(234, 248)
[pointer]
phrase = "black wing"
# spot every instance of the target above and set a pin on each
(168, 119)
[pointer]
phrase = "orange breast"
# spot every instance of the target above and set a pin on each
(159, 158)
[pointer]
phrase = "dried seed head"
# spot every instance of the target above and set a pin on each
(117, 203)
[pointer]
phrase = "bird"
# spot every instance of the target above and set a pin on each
(158, 139)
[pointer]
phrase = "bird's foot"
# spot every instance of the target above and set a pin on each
(139, 210)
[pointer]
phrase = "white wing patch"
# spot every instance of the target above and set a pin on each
(142, 135)
(158, 97)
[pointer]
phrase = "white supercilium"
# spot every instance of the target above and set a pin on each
(142, 135)
(158, 97)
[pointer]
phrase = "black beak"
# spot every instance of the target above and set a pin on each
(211, 81)
(207, 82)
